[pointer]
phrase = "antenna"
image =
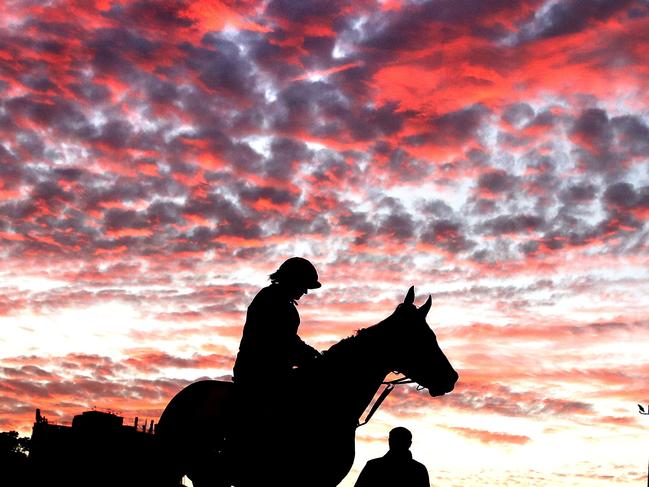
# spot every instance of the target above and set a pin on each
(645, 412)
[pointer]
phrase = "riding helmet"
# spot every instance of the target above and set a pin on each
(298, 270)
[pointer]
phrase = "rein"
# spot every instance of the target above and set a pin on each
(390, 385)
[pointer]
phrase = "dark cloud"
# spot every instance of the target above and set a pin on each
(446, 234)
(579, 193)
(330, 168)
(285, 155)
(544, 119)
(306, 10)
(436, 208)
(593, 128)
(569, 17)
(221, 66)
(117, 134)
(608, 144)
(116, 49)
(316, 224)
(156, 14)
(325, 111)
(512, 224)
(410, 27)
(58, 114)
(624, 196)
(632, 135)
(454, 128)
(518, 114)
(116, 219)
(92, 92)
(497, 181)
(272, 195)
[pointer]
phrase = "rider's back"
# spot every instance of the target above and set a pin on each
(266, 349)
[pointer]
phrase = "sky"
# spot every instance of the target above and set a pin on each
(159, 159)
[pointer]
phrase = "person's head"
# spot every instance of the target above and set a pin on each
(400, 439)
(297, 276)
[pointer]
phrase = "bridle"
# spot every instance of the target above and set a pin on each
(390, 385)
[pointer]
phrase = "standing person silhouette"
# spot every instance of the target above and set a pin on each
(396, 467)
(270, 346)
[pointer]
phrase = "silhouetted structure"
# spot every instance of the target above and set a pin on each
(310, 442)
(13, 458)
(645, 412)
(396, 468)
(97, 450)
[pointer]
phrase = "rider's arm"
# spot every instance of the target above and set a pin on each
(303, 352)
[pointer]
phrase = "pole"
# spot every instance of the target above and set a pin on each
(645, 412)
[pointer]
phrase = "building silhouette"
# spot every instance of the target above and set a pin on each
(96, 450)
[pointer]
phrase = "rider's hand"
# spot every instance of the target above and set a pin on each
(314, 353)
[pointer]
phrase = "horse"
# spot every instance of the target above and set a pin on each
(313, 438)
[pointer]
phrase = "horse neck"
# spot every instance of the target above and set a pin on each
(361, 366)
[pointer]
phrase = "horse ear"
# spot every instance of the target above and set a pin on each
(410, 297)
(425, 308)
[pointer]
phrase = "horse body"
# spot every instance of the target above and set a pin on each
(312, 442)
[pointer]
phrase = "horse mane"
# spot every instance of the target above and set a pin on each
(349, 345)
(344, 345)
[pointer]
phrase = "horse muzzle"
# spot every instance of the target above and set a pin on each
(440, 390)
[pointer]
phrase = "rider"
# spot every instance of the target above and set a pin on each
(270, 346)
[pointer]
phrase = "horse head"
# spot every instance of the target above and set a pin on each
(415, 351)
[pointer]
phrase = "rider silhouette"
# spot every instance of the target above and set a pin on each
(264, 368)
(396, 467)
(270, 346)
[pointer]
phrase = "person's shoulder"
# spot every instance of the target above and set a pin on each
(418, 465)
(265, 294)
(373, 466)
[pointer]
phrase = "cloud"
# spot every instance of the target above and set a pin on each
(489, 437)
(166, 160)
(570, 17)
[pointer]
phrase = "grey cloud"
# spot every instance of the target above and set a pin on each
(91, 91)
(435, 207)
(452, 128)
(606, 144)
(162, 14)
(518, 114)
(568, 17)
(496, 181)
(116, 219)
(633, 135)
(58, 114)
(446, 234)
(274, 195)
(221, 66)
(510, 224)
(286, 153)
(305, 9)
(578, 193)
(112, 48)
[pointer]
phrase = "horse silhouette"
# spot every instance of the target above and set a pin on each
(312, 439)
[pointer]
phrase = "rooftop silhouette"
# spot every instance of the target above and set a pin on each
(96, 450)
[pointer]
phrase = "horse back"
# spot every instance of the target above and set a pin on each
(196, 418)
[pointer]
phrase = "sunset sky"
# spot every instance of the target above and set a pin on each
(159, 159)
